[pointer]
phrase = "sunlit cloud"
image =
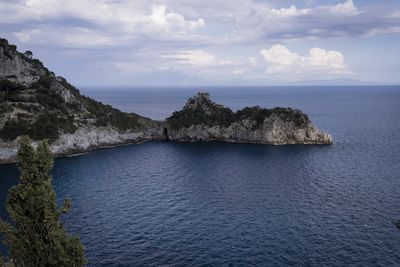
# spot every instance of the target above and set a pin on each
(213, 39)
(318, 63)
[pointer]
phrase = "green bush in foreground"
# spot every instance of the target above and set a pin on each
(37, 237)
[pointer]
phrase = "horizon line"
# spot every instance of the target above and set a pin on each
(244, 85)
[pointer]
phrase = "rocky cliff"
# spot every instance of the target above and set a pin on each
(203, 120)
(36, 102)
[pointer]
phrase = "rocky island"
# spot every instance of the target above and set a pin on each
(36, 102)
(203, 120)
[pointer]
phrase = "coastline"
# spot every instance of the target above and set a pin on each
(77, 153)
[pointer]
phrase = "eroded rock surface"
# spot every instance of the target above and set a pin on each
(203, 120)
(36, 102)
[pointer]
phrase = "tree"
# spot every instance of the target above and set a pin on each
(37, 237)
(28, 54)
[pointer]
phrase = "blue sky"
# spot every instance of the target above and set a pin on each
(201, 42)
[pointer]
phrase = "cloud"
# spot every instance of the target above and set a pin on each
(195, 22)
(218, 40)
(196, 64)
(170, 21)
(194, 57)
(197, 58)
(289, 12)
(279, 55)
(318, 62)
(128, 20)
(346, 8)
(328, 21)
(68, 37)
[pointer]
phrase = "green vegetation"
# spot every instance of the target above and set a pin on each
(253, 113)
(28, 54)
(47, 120)
(37, 237)
(47, 125)
(3, 43)
(189, 117)
(210, 114)
(70, 87)
(43, 113)
(10, 91)
(107, 115)
(50, 99)
(201, 110)
(50, 106)
(292, 115)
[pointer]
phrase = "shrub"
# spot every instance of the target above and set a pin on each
(47, 126)
(14, 128)
(106, 115)
(28, 54)
(194, 116)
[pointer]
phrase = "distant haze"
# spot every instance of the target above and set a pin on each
(219, 42)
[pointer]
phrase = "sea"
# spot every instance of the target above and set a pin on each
(221, 204)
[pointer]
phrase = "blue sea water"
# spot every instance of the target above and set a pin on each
(218, 204)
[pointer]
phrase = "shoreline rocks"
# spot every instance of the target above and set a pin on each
(203, 120)
(35, 102)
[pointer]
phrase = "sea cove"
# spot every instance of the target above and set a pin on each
(168, 203)
(199, 133)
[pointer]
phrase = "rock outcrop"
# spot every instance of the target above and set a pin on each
(203, 120)
(35, 102)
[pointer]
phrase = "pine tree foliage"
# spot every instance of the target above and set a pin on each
(36, 236)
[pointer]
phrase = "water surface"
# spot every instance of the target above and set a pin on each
(216, 204)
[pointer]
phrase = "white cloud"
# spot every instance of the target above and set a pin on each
(197, 58)
(319, 62)
(68, 38)
(289, 12)
(193, 57)
(169, 21)
(122, 19)
(280, 55)
(344, 19)
(329, 59)
(218, 39)
(346, 8)
(197, 64)
(228, 21)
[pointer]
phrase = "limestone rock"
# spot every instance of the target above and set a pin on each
(35, 102)
(203, 120)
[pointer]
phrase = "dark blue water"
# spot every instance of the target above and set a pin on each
(216, 204)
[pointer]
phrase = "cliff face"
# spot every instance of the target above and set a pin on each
(203, 120)
(35, 102)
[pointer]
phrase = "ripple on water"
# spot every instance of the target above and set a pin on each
(217, 204)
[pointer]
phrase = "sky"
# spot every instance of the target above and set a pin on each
(208, 42)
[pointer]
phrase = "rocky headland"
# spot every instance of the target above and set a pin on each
(36, 102)
(203, 120)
